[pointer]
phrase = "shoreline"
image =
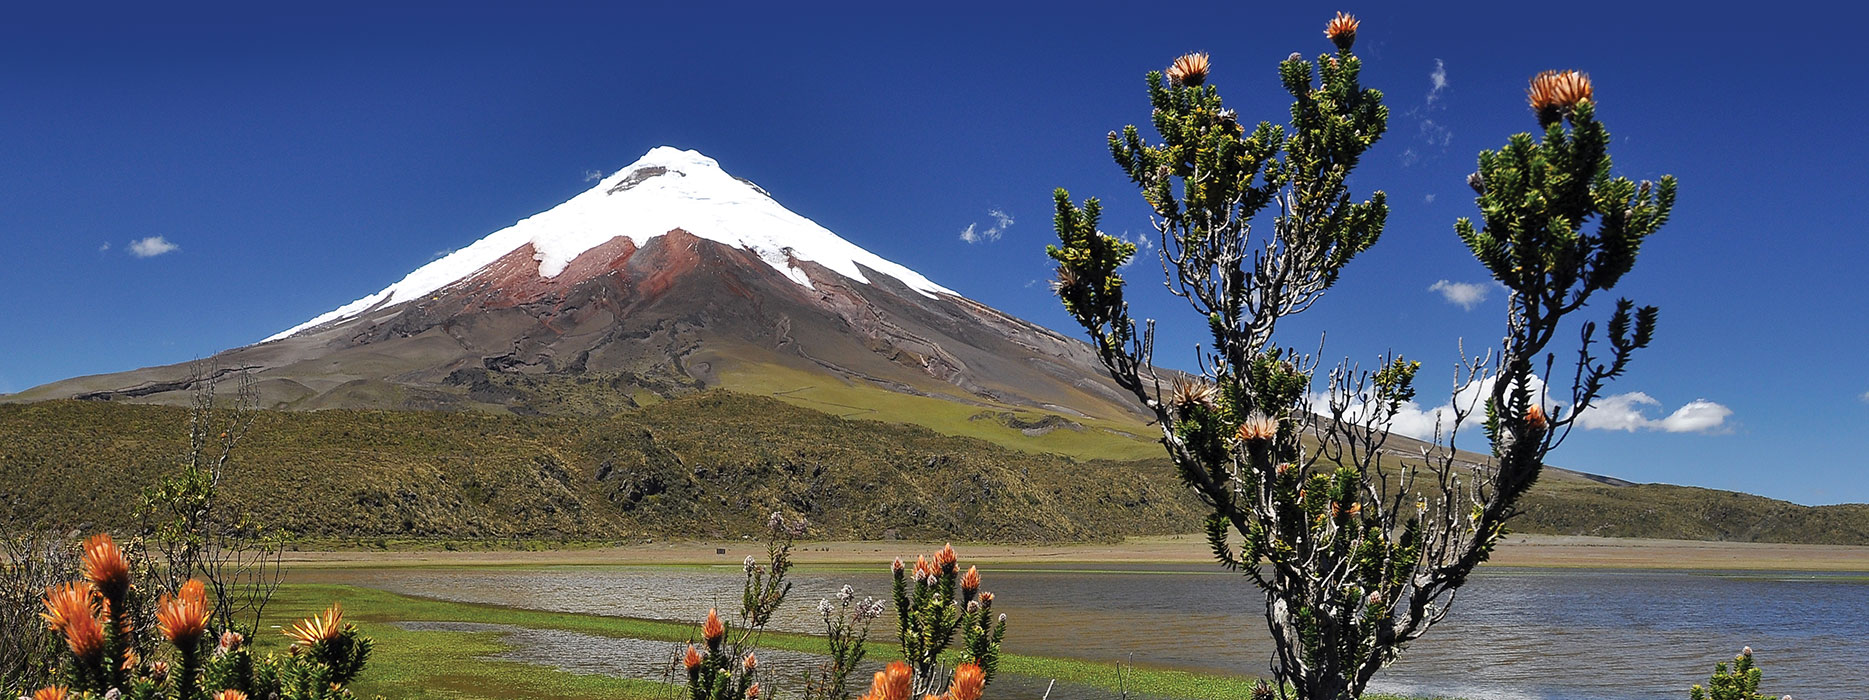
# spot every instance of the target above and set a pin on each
(1534, 551)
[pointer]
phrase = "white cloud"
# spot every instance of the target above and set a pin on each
(1438, 79)
(1420, 423)
(105, 248)
(1433, 137)
(590, 175)
(1619, 412)
(1429, 198)
(974, 234)
(1142, 243)
(1625, 412)
(1466, 295)
(1864, 397)
(152, 246)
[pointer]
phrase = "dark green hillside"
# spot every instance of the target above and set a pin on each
(711, 465)
(707, 465)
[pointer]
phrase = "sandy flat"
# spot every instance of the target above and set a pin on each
(1518, 550)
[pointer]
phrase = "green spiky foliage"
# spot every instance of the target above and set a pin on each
(726, 668)
(846, 632)
(940, 602)
(1740, 683)
(203, 666)
(1356, 558)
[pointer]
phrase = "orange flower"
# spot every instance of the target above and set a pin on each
(713, 630)
(946, 558)
(891, 683)
(230, 694)
(1342, 31)
(318, 628)
(85, 636)
(969, 682)
(1536, 417)
(54, 692)
(752, 692)
(182, 618)
(692, 659)
(1258, 426)
(1553, 93)
(750, 663)
(66, 602)
(1190, 70)
(970, 581)
(105, 567)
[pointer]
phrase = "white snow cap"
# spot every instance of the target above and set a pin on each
(692, 193)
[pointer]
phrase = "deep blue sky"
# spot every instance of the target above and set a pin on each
(299, 159)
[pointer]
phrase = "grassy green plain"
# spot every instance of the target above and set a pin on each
(450, 664)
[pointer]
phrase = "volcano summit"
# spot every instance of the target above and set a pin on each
(668, 276)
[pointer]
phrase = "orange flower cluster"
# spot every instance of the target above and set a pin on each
(1553, 93)
(72, 609)
(230, 694)
(105, 567)
(318, 628)
(1190, 70)
(1342, 30)
(691, 660)
(891, 683)
(56, 692)
(969, 683)
(970, 581)
(713, 630)
(183, 617)
(1536, 417)
(1258, 426)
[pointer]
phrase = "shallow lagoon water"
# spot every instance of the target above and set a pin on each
(1554, 634)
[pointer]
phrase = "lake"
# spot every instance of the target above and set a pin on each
(1553, 634)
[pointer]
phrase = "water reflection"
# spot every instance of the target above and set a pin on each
(1530, 633)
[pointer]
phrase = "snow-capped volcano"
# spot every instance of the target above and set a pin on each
(669, 276)
(665, 190)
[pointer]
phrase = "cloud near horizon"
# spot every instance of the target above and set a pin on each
(1622, 412)
(974, 234)
(152, 246)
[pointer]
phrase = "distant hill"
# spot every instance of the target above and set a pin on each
(710, 465)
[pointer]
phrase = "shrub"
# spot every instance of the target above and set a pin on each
(1356, 557)
(104, 657)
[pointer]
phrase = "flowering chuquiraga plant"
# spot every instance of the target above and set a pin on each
(104, 658)
(940, 602)
(1356, 556)
(726, 669)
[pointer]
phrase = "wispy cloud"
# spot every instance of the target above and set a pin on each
(105, 248)
(1432, 137)
(1466, 295)
(1144, 246)
(590, 175)
(974, 234)
(1437, 79)
(1429, 198)
(1864, 397)
(152, 246)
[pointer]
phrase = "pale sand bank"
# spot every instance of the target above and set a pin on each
(1518, 550)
